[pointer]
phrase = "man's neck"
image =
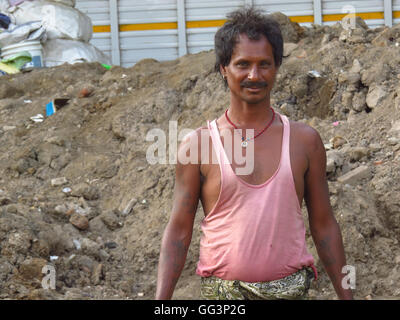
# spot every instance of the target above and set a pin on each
(246, 115)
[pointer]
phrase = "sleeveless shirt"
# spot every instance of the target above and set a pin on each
(254, 233)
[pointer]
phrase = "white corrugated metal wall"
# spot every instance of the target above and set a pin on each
(99, 12)
(131, 30)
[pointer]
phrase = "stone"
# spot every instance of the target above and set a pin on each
(288, 48)
(97, 274)
(347, 100)
(79, 221)
(349, 77)
(86, 191)
(357, 153)
(395, 127)
(59, 181)
(330, 166)
(287, 109)
(375, 96)
(90, 247)
(32, 268)
(97, 225)
(9, 128)
(354, 176)
(337, 142)
(359, 101)
(392, 141)
(111, 220)
(128, 208)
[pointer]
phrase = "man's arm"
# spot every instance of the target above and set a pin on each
(323, 225)
(178, 233)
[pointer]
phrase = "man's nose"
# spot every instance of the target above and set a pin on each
(253, 73)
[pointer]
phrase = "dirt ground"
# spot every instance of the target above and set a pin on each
(77, 193)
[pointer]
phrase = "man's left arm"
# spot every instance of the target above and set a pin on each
(323, 225)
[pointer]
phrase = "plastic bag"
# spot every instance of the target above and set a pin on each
(59, 51)
(60, 21)
(27, 31)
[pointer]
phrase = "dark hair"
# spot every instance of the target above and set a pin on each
(252, 22)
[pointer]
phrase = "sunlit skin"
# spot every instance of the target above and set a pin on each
(250, 75)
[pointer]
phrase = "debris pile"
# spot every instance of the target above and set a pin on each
(49, 32)
(77, 192)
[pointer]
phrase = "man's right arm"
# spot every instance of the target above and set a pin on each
(178, 233)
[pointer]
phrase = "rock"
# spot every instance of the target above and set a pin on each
(97, 225)
(97, 274)
(375, 147)
(32, 268)
(334, 159)
(357, 153)
(90, 247)
(85, 92)
(79, 221)
(288, 48)
(86, 191)
(290, 30)
(359, 101)
(287, 109)
(9, 128)
(4, 199)
(354, 176)
(111, 220)
(85, 263)
(392, 141)
(111, 245)
(347, 100)
(353, 22)
(375, 96)
(59, 181)
(349, 77)
(128, 208)
(356, 67)
(395, 127)
(337, 142)
(330, 165)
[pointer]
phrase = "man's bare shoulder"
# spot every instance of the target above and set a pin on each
(192, 145)
(306, 135)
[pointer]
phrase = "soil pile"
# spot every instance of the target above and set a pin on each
(77, 192)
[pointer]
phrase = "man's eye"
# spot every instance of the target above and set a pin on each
(265, 64)
(242, 64)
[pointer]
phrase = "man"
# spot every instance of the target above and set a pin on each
(253, 243)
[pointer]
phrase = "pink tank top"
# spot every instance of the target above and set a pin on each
(254, 233)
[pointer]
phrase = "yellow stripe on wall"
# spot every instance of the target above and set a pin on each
(205, 24)
(301, 19)
(148, 26)
(364, 16)
(219, 23)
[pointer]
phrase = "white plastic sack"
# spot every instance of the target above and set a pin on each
(4, 5)
(60, 21)
(70, 3)
(27, 31)
(59, 51)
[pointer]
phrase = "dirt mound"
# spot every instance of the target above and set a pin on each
(77, 192)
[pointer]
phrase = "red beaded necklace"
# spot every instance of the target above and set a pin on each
(244, 140)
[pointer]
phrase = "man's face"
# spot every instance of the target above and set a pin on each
(251, 71)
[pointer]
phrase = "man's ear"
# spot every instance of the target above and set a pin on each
(222, 69)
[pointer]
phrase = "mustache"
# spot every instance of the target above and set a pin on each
(253, 84)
